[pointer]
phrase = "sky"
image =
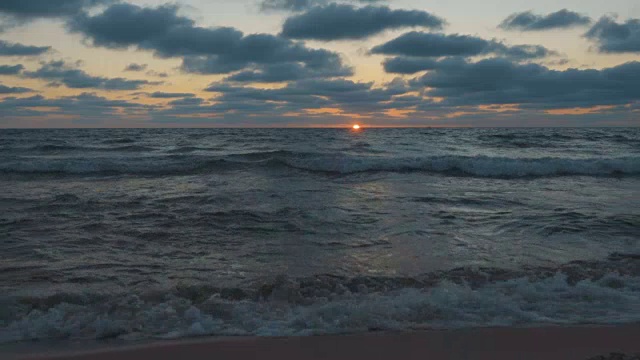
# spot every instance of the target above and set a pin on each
(319, 63)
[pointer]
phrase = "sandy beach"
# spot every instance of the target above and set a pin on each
(549, 343)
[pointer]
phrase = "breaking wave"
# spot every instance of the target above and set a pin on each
(596, 292)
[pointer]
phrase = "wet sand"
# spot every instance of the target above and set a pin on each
(549, 343)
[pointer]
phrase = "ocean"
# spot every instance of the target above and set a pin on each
(135, 234)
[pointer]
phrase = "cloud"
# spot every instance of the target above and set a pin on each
(341, 22)
(218, 50)
(500, 81)
(462, 86)
(189, 101)
(522, 52)
(13, 90)
(59, 71)
(47, 8)
(165, 95)
(330, 89)
(160, 29)
(415, 45)
(11, 69)
(528, 21)
(433, 45)
(81, 103)
(264, 51)
(83, 109)
(136, 67)
(15, 49)
(300, 96)
(614, 37)
(283, 72)
(300, 5)
(309, 101)
(19, 12)
(158, 74)
(290, 5)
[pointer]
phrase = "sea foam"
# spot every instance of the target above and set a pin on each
(576, 293)
(613, 299)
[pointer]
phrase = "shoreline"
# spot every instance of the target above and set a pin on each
(549, 343)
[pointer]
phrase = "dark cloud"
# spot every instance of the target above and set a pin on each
(299, 96)
(47, 8)
(136, 67)
(83, 109)
(300, 5)
(11, 69)
(189, 101)
(417, 50)
(614, 37)
(290, 5)
(165, 95)
(528, 21)
(83, 102)
(340, 22)
(326, 88)
(434, 45)
(300, 102)
(282, 72)
(59, 71)
(13, 90)
(408, 65)
(160, 29)
(263, 50)
(524, 52)
(306, 101)
(203, 50)
(500, 81)
(14, 13)
(14, 49)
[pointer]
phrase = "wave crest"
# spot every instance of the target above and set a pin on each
(481, 166)
(341, 164)
(596, 292)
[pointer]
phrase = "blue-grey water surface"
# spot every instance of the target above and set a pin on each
(136, 234)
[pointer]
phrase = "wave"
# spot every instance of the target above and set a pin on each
(61, 148)
(545, 140)
(337, 164)
(149, 165)
(529, 136)
(186, 149)
(481, 166)
(596, 292)
(119, 141)
(45, 148)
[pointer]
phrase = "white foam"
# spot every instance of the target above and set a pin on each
(612, 299)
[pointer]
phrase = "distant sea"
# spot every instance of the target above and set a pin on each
(147, 234)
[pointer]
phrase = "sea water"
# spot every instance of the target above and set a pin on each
(162, 233)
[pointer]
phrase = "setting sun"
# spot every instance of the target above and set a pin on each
(356, 127)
